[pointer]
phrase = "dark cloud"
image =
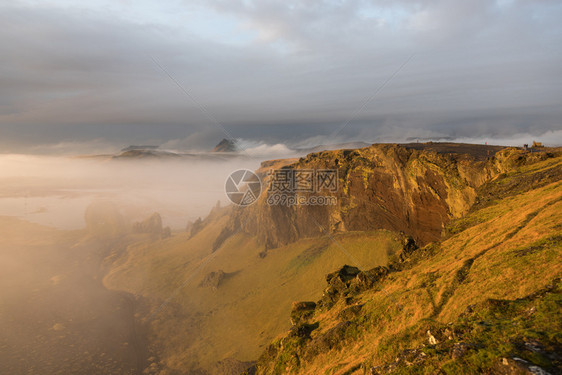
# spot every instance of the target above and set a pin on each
(479, 69)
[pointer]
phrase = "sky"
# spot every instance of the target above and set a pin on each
(95, 76)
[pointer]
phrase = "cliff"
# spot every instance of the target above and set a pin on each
(416, 189)
(485, 219)
(484, 298)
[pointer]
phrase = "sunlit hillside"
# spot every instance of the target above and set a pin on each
(485, 298)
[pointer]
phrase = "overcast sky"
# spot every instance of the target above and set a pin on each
(103, 74)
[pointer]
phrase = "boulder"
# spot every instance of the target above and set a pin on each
(338, 284)
(212, 279)
(367, 279)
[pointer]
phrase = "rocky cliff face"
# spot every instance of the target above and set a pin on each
(152, 225)
(396, 187)
(485, 298)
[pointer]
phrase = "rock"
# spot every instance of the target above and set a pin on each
(350, 280)
(408, 247)
(338, 284)
(344, 274)
(368, 279)
(301, 312)
(225, 233)
(517, 365)
(151, 225)
(533, 345)
(532, 310)
(420, 206)
(212, 279)
(431, 339)
(303, 330)
(195, 227)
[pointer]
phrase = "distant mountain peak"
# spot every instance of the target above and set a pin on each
(226, 145)
(141, 147)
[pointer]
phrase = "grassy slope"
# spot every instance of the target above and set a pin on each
(506, 248)
(251, 305)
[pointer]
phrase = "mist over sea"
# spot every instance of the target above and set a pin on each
(55, 191)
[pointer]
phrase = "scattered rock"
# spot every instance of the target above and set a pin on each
(517, 365)
(349, 281)
(301, 312)
(431, 339)
(152, 225)
(533, 345)
(344, 274)
(338, 283)
(212, 279)
(408, 247)
(195, 227)
(303, 330)
(368, 279)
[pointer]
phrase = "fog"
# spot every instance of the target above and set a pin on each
(55, 191)
(56, 315)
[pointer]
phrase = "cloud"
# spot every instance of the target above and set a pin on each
(276, 71)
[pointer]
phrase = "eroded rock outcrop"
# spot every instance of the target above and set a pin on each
(213, 279)
(394, 187)
(152, 225)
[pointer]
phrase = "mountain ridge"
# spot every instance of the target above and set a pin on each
(383, 186)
